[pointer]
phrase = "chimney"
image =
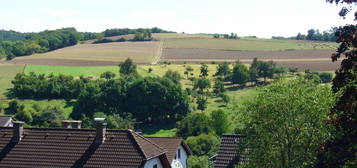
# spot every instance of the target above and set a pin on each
(71, 124)
(18, 131)
(101, 128)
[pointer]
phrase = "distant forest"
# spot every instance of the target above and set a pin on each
(312, 34)
(14, 44)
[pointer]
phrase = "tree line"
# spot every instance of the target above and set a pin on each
(10, 35)
(125, 31)
(147, 99)
(14, 44)
(312, 34)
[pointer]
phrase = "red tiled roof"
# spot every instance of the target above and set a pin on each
(228, 156)
(170, 144)
(58, 147)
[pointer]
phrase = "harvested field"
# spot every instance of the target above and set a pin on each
(317, 60)
(95, 54)
(7, 73)
(246, 44)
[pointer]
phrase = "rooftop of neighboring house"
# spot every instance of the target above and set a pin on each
(74, 147)
(228, 155)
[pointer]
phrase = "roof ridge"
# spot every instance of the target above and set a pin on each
(148, 140)
(165, 137)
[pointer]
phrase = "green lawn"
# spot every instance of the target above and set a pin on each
(246, 44)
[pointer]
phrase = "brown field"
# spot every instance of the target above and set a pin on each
(95, 54)
(317, 60)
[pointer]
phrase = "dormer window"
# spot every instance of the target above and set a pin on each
(179, 153)
(155, 166)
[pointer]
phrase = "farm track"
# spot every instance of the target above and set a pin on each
(159, 53)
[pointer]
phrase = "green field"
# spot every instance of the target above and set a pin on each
(246, 44)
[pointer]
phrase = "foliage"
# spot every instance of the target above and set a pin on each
(24, 115)
(204, 71)
(11, 35)
(198, 162)
(173, 75)
(127, 67)
(218, 87)
(220, 122)
(286, 123)
(13, 107)
(240, 74)
(203, 145)
(325, 77)
(223, 70)
(108, 75)
(340, 150)
(201, 103)
(201, 84)
(34, 86)
(156, 98)
(125, 31)
(193, 124)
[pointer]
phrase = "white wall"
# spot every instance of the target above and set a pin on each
(150, 163)
(183, 158)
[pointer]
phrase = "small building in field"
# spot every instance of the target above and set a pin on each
(74, 147)
(6, 121)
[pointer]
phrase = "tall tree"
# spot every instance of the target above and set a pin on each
(240, 74)
(204, 70)
(127, 67)
(284, 126)
(341, 150)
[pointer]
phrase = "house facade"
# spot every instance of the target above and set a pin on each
(176, 149)
(75, 147)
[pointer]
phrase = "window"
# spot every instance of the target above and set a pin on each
(179, 153)
(155, 166)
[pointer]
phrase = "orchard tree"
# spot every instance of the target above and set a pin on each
(173, 75)
(220, 122)
(240, 74)
(218, 87)
(340, 150)
(127, 67)
(201, 103)
(189, 70)
(107, 75)
(223, 70)
(204, 70)
(201, 84)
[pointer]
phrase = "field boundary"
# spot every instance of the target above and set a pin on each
(159, 53)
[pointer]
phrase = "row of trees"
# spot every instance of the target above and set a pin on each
(125, 31)
(150, 99)
(14, 44)
(226, 36)
(40, 42)
(314, 34)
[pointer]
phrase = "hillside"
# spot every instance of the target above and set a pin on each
(179, 48)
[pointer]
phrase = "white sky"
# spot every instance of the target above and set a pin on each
(262, 18)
